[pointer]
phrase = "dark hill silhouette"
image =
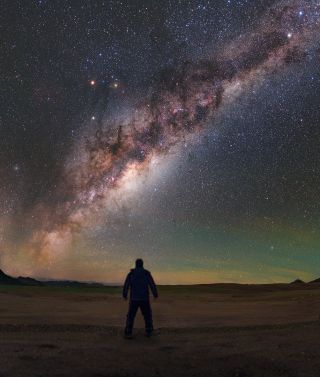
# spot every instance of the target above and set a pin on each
(9, 280)
(6, 279)
(28, 281)
(315, 281)
(298, 281)
(21, 280)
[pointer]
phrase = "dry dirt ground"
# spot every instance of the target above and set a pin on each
(219, 330)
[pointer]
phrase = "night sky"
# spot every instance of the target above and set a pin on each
(183, 132)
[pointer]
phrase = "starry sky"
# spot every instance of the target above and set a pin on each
(183, 132)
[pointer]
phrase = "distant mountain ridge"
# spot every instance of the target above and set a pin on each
(9, 280)
(6, 279)
(71, 283)
(21, 280)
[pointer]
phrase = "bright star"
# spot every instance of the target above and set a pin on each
(92, 82)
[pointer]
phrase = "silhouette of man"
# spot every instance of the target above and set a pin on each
(138, 281)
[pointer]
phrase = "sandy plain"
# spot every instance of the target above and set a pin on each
(221, 330)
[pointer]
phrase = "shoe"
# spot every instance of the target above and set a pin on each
(148, 334)
(127, 336)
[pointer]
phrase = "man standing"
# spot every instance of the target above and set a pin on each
(138, 281)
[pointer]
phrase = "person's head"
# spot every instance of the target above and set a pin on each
(139, 263)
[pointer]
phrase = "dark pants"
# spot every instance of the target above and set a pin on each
(145, 308)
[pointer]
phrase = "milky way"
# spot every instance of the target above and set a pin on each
(182, 102)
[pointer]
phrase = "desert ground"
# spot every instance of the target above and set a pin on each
(221, 330)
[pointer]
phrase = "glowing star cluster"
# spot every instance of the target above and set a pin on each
(182, 102)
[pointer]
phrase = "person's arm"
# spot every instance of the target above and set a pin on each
(126, 287)
(152, 285)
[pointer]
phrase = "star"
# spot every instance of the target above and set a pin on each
(115, 85)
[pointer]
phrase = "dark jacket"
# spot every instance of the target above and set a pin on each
(139, 280)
